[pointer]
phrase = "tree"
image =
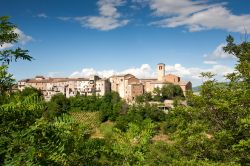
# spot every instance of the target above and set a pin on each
(57, 106)
(215, 126)
(6, 80)
(27, 91)
(129, 148)
(146, 97)
(9, 36)
(241, 51)
(157, 94)
(58, 142)
(169, 91)
(112, 106)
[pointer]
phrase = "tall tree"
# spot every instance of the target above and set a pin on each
(8, 36)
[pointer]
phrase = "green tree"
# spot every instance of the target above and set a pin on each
(27, 91)
(59, 142)
(130, 147)
(8, 36)
(215, 126)
(6, 81)
(57, 106)
(169, 91)
(146, 97)
(157, 94)
(112, 106)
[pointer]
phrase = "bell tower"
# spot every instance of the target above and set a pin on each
(160, 71)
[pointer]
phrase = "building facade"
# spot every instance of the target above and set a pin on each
(67, 86)
(127, 85)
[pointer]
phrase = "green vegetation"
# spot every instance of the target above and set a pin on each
(214, 129)
(167, 92)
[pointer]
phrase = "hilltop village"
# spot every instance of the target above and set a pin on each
(127, 85)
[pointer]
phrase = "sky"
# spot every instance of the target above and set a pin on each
(105, 37)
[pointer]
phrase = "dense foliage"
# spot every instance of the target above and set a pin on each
(167, 92)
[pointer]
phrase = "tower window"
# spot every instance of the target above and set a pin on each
(160, 67)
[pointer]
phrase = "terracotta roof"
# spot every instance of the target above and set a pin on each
(123, 75)
(39, 76)
(52, 80)
(183, 82)
(148, 79)
(24, 80)
(161, 82)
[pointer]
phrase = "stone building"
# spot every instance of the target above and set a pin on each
(102, 86)
(127, 85)
(67, 86)
(165, 79)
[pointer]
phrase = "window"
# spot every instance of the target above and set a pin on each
(160, 67)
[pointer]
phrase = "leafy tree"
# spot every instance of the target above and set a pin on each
(169, 91)
(130, 147)
(6, 82)
(57, 106)
(59, 142)
(146, 97)
(16, 116)
(157, 94)
(112, 106)
(137, 113)
(215, 126)
(85, 103)
(8, 36)
(27, 91)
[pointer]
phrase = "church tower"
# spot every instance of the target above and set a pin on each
(160, 71)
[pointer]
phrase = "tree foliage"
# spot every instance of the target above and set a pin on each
(215, 126)
(9, 36)
(169, 91)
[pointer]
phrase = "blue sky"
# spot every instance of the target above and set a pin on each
(79, 38)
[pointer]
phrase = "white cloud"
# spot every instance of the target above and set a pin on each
(180, 7)
(101, 23)
(56, 74)
(198, 15)
(23, 39)
(108, 19)
(218, 53)
(5, 46)
(210, 62)
(108, 7)
(145, 71)
(42, 15)
(194, 72)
